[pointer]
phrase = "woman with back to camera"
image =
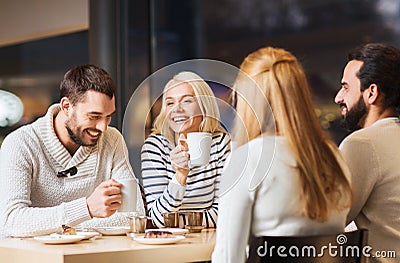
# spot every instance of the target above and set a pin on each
(188, 105)
(289, 180)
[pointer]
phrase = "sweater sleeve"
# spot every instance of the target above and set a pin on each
(18, 156)
(120, 169)
(361, 158)
(162, 195)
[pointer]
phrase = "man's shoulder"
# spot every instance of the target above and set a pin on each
(22, 142)
(111, 135)
(22, 135)
(363, 140)
(112, 131)
(368, 134)
(110, 141)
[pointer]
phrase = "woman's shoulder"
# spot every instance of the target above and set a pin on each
(157, 140)
(265, 141)
(157, 137)
(220, 137)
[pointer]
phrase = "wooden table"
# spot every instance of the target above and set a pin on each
(108, 249)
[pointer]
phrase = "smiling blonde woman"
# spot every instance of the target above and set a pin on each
(188, 105)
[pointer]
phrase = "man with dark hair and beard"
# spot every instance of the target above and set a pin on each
(63, 168)
(370, 103)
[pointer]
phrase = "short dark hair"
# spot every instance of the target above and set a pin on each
(82, 78)
(381, 67)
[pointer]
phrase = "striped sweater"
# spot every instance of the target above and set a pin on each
(34, 201)
(166, 195)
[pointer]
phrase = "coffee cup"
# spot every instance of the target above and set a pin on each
(129, 195)
(199, 144)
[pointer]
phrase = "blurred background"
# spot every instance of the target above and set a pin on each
(41, 39)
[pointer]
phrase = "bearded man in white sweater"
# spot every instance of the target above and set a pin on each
(370, 100)
(63, 168)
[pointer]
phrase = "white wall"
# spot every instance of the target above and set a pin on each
(26, 20)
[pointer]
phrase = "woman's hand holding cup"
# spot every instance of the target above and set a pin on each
(180, 160)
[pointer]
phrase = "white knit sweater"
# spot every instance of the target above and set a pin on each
(34, 201)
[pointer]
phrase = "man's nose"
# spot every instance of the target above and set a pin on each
(339, 97)
(102, 125)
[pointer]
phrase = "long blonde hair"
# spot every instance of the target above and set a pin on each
(281, 79)
(205, 98)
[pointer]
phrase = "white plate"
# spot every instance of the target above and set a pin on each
(174, 231)
(85, 235)
(112, 231)
(88, 235)
(158, 241)
(59, 239)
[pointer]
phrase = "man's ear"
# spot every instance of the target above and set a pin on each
(372, 93)
(65, 105)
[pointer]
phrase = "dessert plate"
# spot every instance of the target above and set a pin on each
(84, 234)
(59, 239)
(174, 231)
(112, 231)
(158, 241)
(88, 235)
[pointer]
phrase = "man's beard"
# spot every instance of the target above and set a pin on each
(352, 120)
(75, 137)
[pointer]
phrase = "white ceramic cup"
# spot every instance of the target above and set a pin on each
(129, 195)
(199, 144)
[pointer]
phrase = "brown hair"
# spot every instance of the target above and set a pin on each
(82, 78)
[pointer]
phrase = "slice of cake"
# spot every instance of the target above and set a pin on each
(67, 230)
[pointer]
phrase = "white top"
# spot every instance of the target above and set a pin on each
(373, 156)
(33, 200)
(261, 191)
(163, 191)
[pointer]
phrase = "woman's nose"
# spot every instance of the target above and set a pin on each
(178, 107)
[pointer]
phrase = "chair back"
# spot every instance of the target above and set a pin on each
(338, 248)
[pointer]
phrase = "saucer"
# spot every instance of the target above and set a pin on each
(59, 239)
(194, 229)
(112, 231)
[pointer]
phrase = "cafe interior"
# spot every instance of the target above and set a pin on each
(41, 39)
